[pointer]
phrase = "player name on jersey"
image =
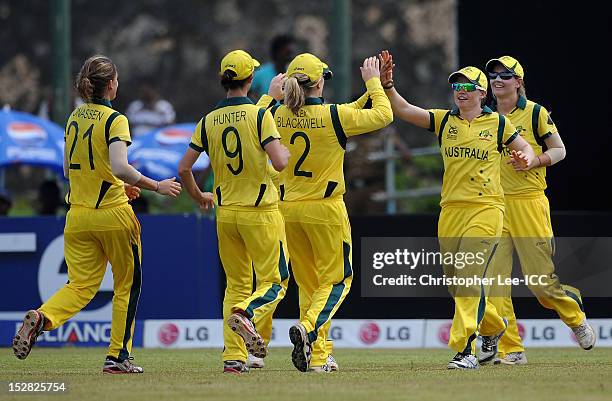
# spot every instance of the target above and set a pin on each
(298, 122)
(458, 151)
(229, 117)
(88, 113)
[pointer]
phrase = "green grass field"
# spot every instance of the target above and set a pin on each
(552, 374)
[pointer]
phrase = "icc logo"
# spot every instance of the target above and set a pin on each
(369, 333)
(452, 133)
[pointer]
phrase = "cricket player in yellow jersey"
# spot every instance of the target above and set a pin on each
(527, 224)
(100, 225)
(312, 188)
(471, 138)
(239, 137)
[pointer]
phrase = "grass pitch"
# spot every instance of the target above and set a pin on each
(552, 374)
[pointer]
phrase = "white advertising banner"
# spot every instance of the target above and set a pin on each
(374, 333)
(399, 333)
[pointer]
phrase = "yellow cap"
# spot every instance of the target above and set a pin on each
(473, 74)
(309, 65)
(510, 63)
(240, 62)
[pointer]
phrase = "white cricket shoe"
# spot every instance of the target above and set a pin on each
(512, 358)
(488, 348)
(585, 335)
(302, 348)
(320, 369)
(332, 363)
(463, 361)
(254, 362)
(242, 326)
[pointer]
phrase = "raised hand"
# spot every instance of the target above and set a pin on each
(370, 69)
(276, 89)
(386, 69)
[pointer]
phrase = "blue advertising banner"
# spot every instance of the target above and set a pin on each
(181, 273)
(72, 333)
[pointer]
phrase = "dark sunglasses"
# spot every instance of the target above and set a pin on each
(505, 75)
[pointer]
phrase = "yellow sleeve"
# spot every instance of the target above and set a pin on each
(199, 141)
(436, 117)
(266, 127)
(359, 103)
(510, 133)
(351, 121)
(119, 130)
(546, 126)
(266, 101)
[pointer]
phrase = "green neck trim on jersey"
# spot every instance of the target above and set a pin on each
(103, 102)
(485, 110)
(521, 103)
(313, 100)
(233, 101)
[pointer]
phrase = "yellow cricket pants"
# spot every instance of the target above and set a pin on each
(319, 240)
(464, 228)
(528, 229)
(92, 238)
(251, 239)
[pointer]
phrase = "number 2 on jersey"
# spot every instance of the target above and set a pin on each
(86, 135)
(296, 170)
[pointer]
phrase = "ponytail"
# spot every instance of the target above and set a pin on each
(92, 80)
(294, 95)
(228, 82)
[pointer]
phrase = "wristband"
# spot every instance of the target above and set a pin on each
(157, 189)
(389, 85)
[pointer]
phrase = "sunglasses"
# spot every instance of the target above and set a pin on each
(505, 75)
(468, 87)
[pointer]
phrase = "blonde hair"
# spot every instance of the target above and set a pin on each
(296, 89)
(521, 89)
(93, 78)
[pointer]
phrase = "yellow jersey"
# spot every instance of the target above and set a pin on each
(91, 128)
(234, 135)
(471, 152)
(316, 139)
(534, 124)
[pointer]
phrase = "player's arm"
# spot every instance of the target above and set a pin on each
(198, 144)
(278, 154)
(547, 130)
(66, 167)
(555, 152)
(359, 121)
(204, 199)
(121, 169)
(401, 107)
(270, 141)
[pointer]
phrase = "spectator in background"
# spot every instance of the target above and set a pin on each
(150, 111)
(49, 198)
(282, 51)
(6, 201)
